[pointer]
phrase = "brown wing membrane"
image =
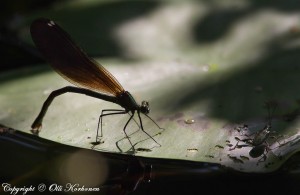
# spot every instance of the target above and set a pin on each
(70, 61)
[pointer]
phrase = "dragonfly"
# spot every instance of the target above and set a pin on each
(89, 77)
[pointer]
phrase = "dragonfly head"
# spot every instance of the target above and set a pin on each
(144, 108)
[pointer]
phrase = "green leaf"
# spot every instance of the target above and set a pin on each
(191, 132)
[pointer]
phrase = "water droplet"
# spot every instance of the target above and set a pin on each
(189, 121)
(47, 91)
(205, 68)
(192, 150)
(51, 23)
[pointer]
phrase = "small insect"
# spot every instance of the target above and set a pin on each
(235, 159)
(192, 150)
(259, 144)
(219, 146)
(267, 165)
(229, 145)
(92, 79)
(241, 128)
(244, 157)
(143, 150)
(209, 156)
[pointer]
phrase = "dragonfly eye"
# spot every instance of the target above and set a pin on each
(145, 107)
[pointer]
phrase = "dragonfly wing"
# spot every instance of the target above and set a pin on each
(70, 61)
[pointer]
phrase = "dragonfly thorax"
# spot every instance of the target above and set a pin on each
(126, 100)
